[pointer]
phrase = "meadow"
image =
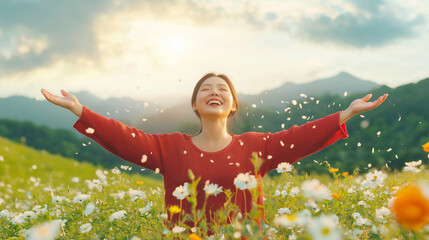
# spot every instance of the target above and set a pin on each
(44, 196)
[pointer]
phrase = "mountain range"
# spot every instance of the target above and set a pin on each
(151, 117)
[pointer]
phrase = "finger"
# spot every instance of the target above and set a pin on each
(381, 99)
(64, 93)
(367, 97)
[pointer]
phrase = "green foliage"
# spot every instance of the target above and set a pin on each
(30, 179)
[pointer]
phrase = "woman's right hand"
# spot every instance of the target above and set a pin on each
(69, 101)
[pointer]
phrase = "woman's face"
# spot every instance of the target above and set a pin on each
(214, 99)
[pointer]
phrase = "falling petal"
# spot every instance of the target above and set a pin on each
(90, 130)
(144, 158)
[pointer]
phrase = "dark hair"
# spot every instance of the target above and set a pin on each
(231, 87)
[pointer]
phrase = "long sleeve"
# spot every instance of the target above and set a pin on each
(128, 143)
(300, 141)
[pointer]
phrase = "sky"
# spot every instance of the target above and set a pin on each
(158, 49)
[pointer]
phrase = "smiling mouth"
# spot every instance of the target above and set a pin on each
(214, 103)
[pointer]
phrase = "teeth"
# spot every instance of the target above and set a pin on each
(214, 102)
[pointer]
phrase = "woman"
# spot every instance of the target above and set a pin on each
(213, 154)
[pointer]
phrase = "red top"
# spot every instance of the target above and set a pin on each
(173, 154)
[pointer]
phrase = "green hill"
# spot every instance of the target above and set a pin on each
(19, 163)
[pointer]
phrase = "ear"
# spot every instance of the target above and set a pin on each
(194, 107)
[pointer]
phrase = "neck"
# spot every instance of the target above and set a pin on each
(214, 129)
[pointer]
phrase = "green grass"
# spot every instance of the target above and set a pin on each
(30, 178)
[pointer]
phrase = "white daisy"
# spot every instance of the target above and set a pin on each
(324, 227)
(245, 181)
(46, 231)
(85, 228)
(178, 229)
(284, 167)
(212, 189)
(89, 208)
(117, 215)
(181, 192)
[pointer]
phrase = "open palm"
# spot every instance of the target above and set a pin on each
(362, 104)
(68, 100)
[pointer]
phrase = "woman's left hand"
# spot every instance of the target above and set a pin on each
(359, 106)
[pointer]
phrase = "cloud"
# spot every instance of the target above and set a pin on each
(372, 24)
(35, 33)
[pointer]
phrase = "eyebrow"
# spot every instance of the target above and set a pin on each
(220, 84)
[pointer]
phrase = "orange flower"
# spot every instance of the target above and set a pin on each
(426, 147)
(139, 182)
(333, 170)
(411, 208)
(336, 196)
(194, 236)
(345, 174)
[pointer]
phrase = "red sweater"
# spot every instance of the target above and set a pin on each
(173, 154)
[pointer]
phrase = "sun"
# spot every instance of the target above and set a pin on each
(176, 44)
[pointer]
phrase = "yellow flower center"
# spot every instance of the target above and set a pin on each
(326, 231)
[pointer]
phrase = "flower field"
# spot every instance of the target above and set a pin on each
(43, 196)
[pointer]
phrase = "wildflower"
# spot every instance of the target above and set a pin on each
(181, 191)
(314, 189)
(373, 179)
(380, 213)
(5, 213)
(136, 194)
(39, 210)
(294, 191)
(345, 174)
(116, 170)
(117, 215)
(284, 211)
(125, 167)
(411, 208)
(304, 216)
(333, 170)
(119, 195)
(284, 167)
(178, 229)
(85, 228)
(426, 147)
(174, 209)
(334, 195)
(75, 179)
(368, 195)
(324, 227)
(360, 220)
(194, 236)
(212, 189)
(245, 181)
(287, 220)
(146, 209)
(412, 166)
(89, 208)
(278, 193)
(271, 233)
(81, 198)
(139, 182)
(47, 231)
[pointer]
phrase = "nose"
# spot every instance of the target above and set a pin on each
(214, 93)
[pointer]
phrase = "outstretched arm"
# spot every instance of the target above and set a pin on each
(69, 101)
(359, 106)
